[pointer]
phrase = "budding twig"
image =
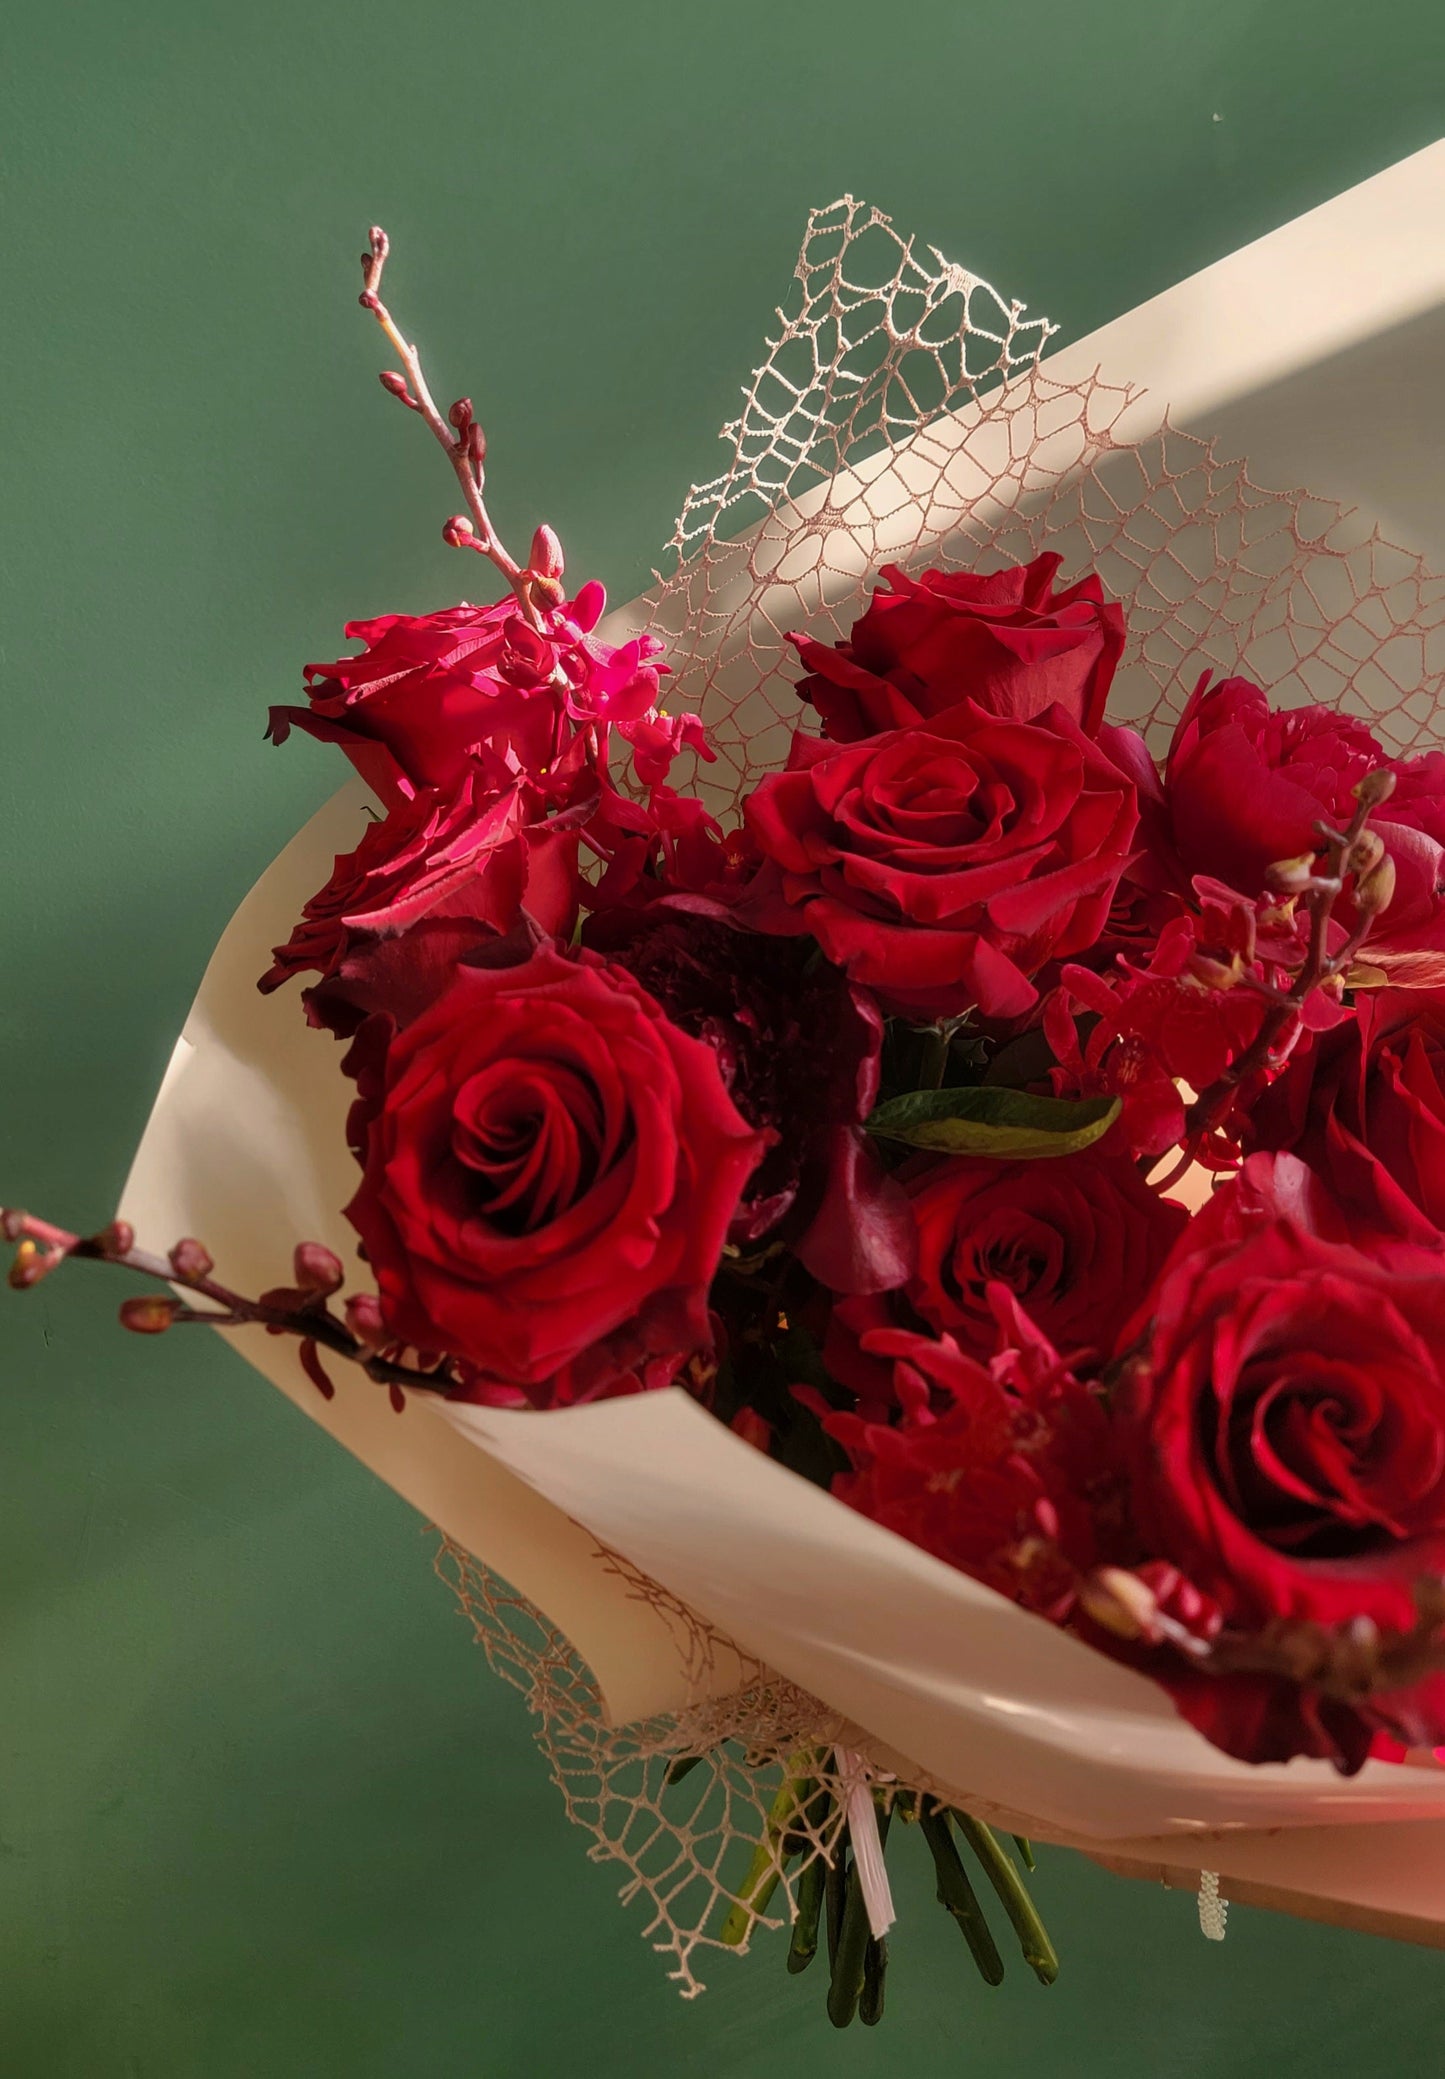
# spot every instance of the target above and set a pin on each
(459, 434)
(1354, 853)
(302, 1311)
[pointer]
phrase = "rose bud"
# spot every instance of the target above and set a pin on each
(191, 1259)
(317, 1268)
(150, 1315)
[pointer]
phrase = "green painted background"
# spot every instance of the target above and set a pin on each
(262, 1811)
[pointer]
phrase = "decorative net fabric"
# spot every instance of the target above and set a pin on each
(904, 414)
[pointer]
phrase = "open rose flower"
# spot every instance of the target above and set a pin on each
(1003, 1469)
(1077, 1239)
(550, 1169)
(798, 1049)
(1002, 638)
(1245, 785)
(1283, 1418)
(942, 866)
(1365, 1107)
(471, 852)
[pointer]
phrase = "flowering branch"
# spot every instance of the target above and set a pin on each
(301, 1310)
(1348, 1662)
(1355, 853)
(465, 445)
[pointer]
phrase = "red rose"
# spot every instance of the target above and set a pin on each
(943, 866)
(1004, 1470)
(1077, 1240)
(1284, 1423)
(1246, 786)
(550, 1169)
(1365, 1107)
(469, 853)
(1003, 638)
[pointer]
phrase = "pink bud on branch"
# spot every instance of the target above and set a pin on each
(302, 1311)
(458, 433)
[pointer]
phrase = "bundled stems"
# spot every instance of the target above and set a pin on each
(1039, 1951)
(957, 1893)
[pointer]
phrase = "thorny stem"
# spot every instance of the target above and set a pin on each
(1281, 1021)
(462, 442)
(43, 1246)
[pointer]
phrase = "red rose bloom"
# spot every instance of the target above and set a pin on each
(1077, 1240)
(1365, 1107)
(471, 853)
(1284, 1423)
(550, 1169)
(1246, 785)
(943, 866)
(1003, 638)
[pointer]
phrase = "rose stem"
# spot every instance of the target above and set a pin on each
(1039, 1952)
(809, 1905)
(957, 1893)
(854, 1937)
(875, 1970)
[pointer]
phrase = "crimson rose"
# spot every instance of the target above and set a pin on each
(471, 852)
(1284, 1423)
(943, 865)
(1077, 1239)
(1003, 638)
(550, 1170)
(1245, 786)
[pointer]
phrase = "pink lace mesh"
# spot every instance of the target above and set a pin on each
(903, 414)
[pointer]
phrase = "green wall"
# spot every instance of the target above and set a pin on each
(262, 1812)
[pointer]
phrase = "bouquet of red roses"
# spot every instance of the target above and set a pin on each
(1031, 1144)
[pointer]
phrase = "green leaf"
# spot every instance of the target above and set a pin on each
(993, 1121)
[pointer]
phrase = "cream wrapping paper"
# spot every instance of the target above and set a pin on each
(245, 1148)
